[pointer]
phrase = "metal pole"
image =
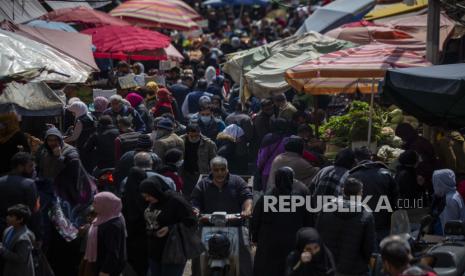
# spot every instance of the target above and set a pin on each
(370, 120)
(432, 38)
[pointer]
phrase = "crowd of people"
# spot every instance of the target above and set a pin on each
(103, 192)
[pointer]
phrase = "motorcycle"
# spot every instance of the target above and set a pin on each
(445, 254)
(220, 235)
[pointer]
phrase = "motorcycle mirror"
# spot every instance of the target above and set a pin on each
(454, 228)
(400, 223)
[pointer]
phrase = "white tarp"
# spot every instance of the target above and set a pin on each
(20, 11)
(34, 98)
(19, 54)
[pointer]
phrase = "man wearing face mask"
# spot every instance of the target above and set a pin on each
(164, 138)
(209, 125)
(199, 150)
(17, 187)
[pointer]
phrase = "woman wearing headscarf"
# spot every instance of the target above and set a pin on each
(166, 209)
(449, 203)
(12, 140)
(151, 96)
(274, 232)
(272, 145)
(165, 104)
(137, 102)
(100, 105)
(310, 256)
(139, 71)
(106, 240)
(84, 127)
(210, 74)
(406, 177)
(228, 142)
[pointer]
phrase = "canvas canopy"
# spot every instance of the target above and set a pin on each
(335, 14)
(19, 54)
(434, 95)
(31, 99)
(264, 67)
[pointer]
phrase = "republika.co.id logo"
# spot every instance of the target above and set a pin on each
(291, 203)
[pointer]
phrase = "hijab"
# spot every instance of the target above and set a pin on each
(78, 108)
(279, 129)
(322, 263)
(107, 206)
(134, 99)
(284, 179)
(100, 104)
(210, 74)
(155, 187)
(443, 182)
(345, 159)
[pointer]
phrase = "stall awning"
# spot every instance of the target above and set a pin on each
(20, 11)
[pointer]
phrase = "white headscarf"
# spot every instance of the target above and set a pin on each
(210, 74)
(234, 131)
(78, 108)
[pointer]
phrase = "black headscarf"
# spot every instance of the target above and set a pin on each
(322, 263)
(284, 178)
(155, 187)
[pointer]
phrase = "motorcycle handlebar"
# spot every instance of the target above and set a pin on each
(229, 217)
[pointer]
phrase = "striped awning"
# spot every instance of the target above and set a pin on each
(351, 70)
(169, 14)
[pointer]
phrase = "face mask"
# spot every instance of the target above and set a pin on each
(179, 163)
(205, 119)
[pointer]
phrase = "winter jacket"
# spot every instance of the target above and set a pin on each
(208, 198)
(206, 151)
(146, 117)
(267, 154)
(129, 112)
(328, 181)
(406, 179)
(274, 233)
(350, 236)
(445, 187)
(111, 247)
(377, 181)
(125, 142)
(162, 145)
(304, 171)
(17, 253)
(211, 129)
(261, 125)
(172, 210)
(102, 144)
(15, 189)
(287, 112)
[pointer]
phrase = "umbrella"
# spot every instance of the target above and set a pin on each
(75, 45)
(222, 3)
(128, 42)
(435, 95)
(20, 54)
(169, 14)
(85, 16)
(335, 14)
(352, 70)
(395, 9)
(372, 34)
(60, 26)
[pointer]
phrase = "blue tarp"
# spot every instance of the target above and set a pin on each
(60, 26)
(336, 14)
(435, 95)
(221, 3)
